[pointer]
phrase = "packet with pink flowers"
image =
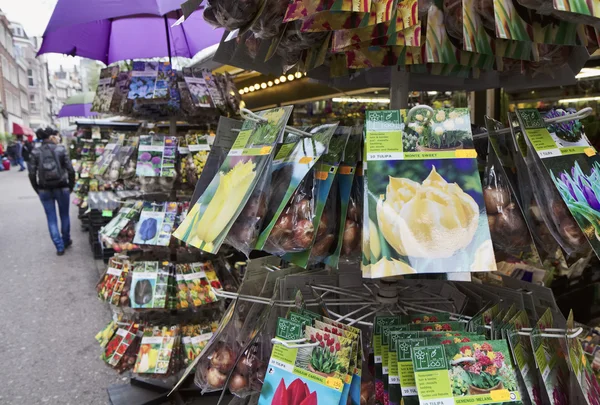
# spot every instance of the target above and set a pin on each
(480, 372)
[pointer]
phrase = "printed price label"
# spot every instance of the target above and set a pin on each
(335, 383)
(305, 160)
(107, 213)
(465, 153)
(589, 151)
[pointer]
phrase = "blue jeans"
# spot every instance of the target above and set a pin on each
(20, 162)
(49, 200)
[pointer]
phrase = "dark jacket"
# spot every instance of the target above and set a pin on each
(27, 148)
(61, 154)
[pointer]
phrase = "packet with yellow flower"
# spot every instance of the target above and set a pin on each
(479, 372)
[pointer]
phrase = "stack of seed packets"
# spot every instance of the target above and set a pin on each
(325, 368)
(428, 359)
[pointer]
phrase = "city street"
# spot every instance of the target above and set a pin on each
(48, 307)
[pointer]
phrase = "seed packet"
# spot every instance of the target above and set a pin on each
(108, 282)
(343, 181)
(156, 156)
(324, 173)
(194, 339)
(116, 348)
(522, 351)
(156, 350)
(228, 192)
(582, 370)
(193, 157)
(291, 165)
(402, 378)
(551, 361)
(149, 284)
(509, 227)
(156, 223)
(106, 334)
(401, 181)
(351, 239)
(438, 326)
(481, 371)
(379, 323)
(105, 89)
(149, 81)
(567, 156)
(289, 379)
(224, 139)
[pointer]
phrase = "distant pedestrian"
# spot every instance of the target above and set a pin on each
(19, 155)
(53, 178)
(27, 148)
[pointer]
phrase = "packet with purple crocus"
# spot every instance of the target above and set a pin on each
(562, 152)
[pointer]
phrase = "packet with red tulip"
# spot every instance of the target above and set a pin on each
(290, 381)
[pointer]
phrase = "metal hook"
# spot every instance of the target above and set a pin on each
(293, 344)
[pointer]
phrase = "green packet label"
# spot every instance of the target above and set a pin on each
(548, 144)
(476, 373)
(300, 318)
(288, 329)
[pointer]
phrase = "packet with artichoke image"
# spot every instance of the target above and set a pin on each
(211, 217)
(425, 202)
(324, 174)
(290, 378)
(478, 372)
(563, 152)
(292, 164)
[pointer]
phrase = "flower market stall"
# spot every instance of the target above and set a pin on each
(403, 259)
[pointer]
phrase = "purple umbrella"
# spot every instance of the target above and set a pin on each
(72, 12)
(78, 105)
(133, 37)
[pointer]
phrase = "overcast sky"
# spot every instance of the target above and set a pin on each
(34, 16)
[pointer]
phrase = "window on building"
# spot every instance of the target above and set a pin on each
(30, 80)
(9, 43)
(5, 68)
(8, 99)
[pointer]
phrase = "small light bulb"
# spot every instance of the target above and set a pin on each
(298, 75)
(251, 89)
(270, 83)
(263, 85)
(256, 86)
(246, 89)
(282, 79)
(290, 77)
(241, 91)
(276, 81)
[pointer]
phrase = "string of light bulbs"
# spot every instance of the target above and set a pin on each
(271, 83)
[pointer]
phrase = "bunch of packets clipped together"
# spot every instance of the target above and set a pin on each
(428, 359)
(572, 164)
(325, 369)
(423, 165)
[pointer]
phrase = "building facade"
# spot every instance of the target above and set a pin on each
(64, 84)
(33, 78)
(10, 89)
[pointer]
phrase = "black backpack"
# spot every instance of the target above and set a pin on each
(50, 171)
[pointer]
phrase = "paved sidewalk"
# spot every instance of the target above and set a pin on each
(49, 313)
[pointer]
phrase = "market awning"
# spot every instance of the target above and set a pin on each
(22, 130)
